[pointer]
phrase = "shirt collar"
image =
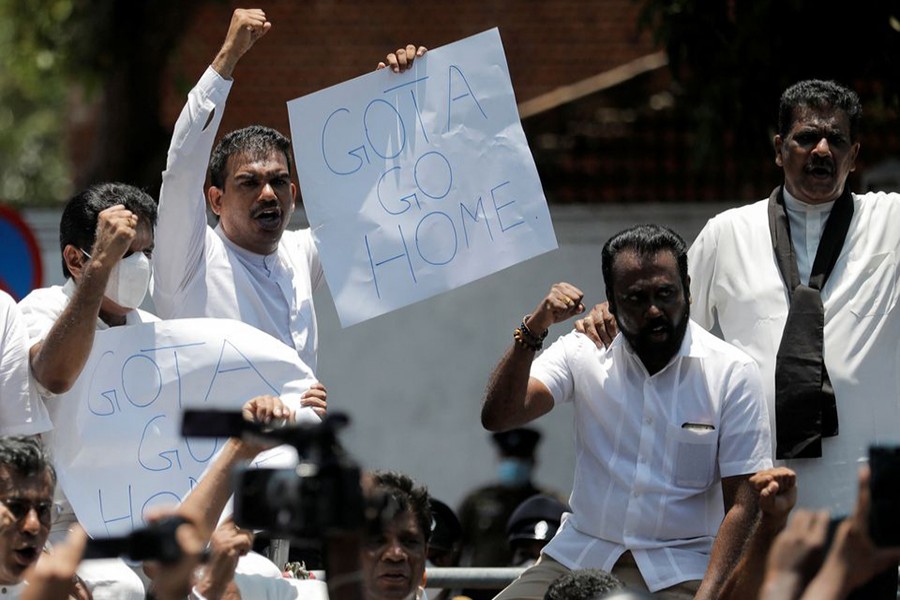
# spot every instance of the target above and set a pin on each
(69, 288)
(12, 590)
(263, 261)
(793, 204)
(690, 347)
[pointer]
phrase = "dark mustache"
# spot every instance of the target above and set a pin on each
(264, 207)
(822, 163)
(658, 322)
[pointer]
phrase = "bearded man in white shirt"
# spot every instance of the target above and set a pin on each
(670, 423)
(738, 283)
(250, 267)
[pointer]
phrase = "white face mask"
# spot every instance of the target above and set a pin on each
(128, 280)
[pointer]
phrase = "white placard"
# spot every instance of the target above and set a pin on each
(116, 441)
(418, 183)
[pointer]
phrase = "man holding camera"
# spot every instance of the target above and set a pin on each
(670, 424)
(383, 560)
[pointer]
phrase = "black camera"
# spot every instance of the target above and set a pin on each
(884, 487)
(155, 542)
(321, 494)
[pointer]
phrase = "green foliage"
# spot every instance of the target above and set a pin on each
(33, 93)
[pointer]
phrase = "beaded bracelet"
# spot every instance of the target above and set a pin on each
(526, 338)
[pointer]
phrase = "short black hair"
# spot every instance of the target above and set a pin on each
(645, 240)
(255, 141)
(407, 495)
(818, 94)
(583, 584)
(78, 225)
(26, 456)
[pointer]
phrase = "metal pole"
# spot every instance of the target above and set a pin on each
(481, 578)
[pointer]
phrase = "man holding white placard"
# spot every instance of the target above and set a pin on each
(106, 238)
(250, 267)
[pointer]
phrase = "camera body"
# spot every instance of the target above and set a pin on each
(156, 541)
(321, 494)
(300, 504)
(884, 487)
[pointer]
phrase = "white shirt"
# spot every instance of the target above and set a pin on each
(198, 272)
(41, 309)
(108, 578)
(807, 225)
(735, 281)
(651, 450)
(12, 592)
(22, 412)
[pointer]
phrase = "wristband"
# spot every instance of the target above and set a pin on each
(527, 339)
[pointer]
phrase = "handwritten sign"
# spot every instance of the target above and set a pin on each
(116, 441)
(418, 183)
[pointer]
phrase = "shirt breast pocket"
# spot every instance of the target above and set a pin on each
(875, 280)
(693, 453)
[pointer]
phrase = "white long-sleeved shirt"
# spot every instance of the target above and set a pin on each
(735, 281)
(198, 271)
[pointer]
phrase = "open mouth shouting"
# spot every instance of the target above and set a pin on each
(25, 556)
(822, 170)
(268, 217)
(659, 331)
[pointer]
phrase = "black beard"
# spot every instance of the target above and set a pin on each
(656, 355)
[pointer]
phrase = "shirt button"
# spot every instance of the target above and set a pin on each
(648, 420)
(635, 493)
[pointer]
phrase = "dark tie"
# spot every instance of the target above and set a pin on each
(805, 409)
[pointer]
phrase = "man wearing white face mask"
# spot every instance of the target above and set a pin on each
(106, 238)
(485, 511)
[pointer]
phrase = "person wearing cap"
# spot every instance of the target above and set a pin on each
(485, 510)
(446, 536)
(445, 544)
(531, 526)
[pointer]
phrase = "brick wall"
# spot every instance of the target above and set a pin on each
(318, 43)
(613, 146)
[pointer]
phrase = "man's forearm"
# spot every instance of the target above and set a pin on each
(205, 503)
(504, 401)
(57, 360)
(727, 548)
(745, 581)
